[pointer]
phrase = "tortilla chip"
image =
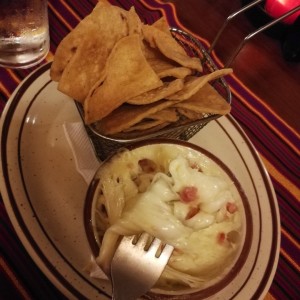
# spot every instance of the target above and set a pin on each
(88, 63)
(157, 120)
(193, 84)
(179, 72)
(162, 25)
(68, 46)
(163, 66)
(167, 114)
(143, 125)
(190, 114)
(138, 133)
(127, 75)
(206, 100)
(169, 47)
(78, 72)
(128, 115)
(168, 88)
(156, 59)
(134, 22)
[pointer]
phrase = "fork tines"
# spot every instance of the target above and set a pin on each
(137, 264)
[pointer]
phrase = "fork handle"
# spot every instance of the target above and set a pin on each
(124, 291)
(122, 296)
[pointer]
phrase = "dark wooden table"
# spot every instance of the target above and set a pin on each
(260, 64)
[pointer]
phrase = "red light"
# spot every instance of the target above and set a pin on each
(276, 8)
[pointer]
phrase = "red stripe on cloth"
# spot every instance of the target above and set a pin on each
(7, 272)
(279, 155)
(62, 19)
(278, 129)
(82, 8)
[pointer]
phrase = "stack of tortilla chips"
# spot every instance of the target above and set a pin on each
(131, 77)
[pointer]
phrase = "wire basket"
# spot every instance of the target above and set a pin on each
(106, 145)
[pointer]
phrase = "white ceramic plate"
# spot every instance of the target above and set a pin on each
(44, 193)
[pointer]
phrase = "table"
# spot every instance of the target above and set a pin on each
(266, 94)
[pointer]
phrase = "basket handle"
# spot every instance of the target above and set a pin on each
(250, 35)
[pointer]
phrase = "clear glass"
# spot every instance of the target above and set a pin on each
(24, 33)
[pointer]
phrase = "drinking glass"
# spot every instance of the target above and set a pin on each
(24, 33)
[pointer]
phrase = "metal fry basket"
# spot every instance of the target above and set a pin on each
(106, 145)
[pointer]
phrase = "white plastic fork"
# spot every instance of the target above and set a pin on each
(135, 268)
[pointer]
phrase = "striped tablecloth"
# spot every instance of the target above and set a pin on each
(276, 142)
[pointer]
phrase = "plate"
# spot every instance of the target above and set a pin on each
(44, 193)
